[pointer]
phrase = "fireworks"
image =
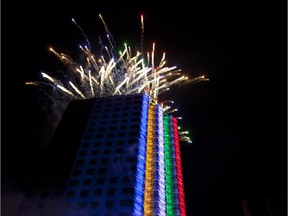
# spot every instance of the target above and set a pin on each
(112, 74)
(108, 73)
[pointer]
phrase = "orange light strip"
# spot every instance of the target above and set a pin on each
(148, 196)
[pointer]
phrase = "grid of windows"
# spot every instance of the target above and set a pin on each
(103, 175)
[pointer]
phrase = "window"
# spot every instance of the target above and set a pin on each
(101, 129)
(133, 133)
(100, 181)
(135, 119)
(122, 127)
(107, 151)
(103, 170)
(100, 136)
(109, 204)
(95, 152)
(114, 121)
(113, 179)
(119, 150)
(124, 214)
(134, 126)
(127, 190)
(95, 204)
(96, 144)
(90, 171)
(125, 114)
(105, 160)
(111, 191)
(136, 113)
(104, 116)
(106, 110)
(108, 143)
(131, 159)
(84, 193)
(115, 115)
(87, 181)
(126, 179)
(111, 135)
(131, 141)
(98, 192)
(121, 134)
(93, 161)
(120, 142)
(126, 202)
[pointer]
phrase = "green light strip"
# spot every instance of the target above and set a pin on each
(170, 196)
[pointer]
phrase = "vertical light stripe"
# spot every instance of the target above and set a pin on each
(148, 196)
(140, 170)
(179, 175)
(161, 208)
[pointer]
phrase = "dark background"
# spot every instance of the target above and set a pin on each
(237, 120)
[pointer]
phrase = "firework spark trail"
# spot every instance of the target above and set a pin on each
(88, 43)
(109, 35)
(77, 90)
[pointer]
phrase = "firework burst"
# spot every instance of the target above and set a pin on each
(111, 74)
(108, 73)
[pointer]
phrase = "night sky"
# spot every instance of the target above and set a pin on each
(237, 120)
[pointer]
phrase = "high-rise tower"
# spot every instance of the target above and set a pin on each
(128, 161)
(116, 156)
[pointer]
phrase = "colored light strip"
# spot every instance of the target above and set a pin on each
(170, 195)
(161, 208)
(179, 176)
(148, 196)
(140, 170)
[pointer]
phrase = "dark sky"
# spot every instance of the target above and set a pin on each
(237, 120)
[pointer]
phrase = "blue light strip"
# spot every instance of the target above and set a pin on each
(140, 169)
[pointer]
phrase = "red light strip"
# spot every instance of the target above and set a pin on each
(179, 175)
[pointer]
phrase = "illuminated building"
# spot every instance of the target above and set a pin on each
(126, 158)
(128, 162)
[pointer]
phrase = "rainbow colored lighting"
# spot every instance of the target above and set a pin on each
(159, 188)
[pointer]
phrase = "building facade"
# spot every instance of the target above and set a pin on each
(128, 162)
(123, 157)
